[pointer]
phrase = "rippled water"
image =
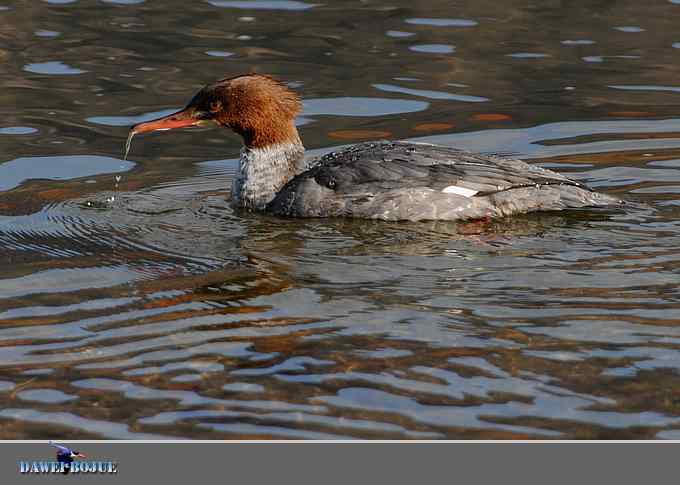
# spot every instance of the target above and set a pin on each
(134, 303)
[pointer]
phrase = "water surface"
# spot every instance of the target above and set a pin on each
(136, 304)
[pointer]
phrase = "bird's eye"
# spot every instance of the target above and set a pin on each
(215, 106)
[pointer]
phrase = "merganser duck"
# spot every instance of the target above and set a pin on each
(378, 180)
(66, 455)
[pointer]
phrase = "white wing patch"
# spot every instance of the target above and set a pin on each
(454, 189)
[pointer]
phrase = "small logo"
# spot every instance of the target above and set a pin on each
(66, 456)
(66, 463)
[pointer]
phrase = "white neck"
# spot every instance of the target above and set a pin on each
(264, 171)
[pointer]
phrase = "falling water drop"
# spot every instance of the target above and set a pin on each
(112, 199)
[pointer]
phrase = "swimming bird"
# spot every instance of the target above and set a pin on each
(66, 455)
(388, 180)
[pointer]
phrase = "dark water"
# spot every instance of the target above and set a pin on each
(134, 303)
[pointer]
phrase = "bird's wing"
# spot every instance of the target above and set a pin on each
(62, 449)
(385, 166)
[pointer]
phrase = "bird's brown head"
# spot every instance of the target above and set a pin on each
(259, 108)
